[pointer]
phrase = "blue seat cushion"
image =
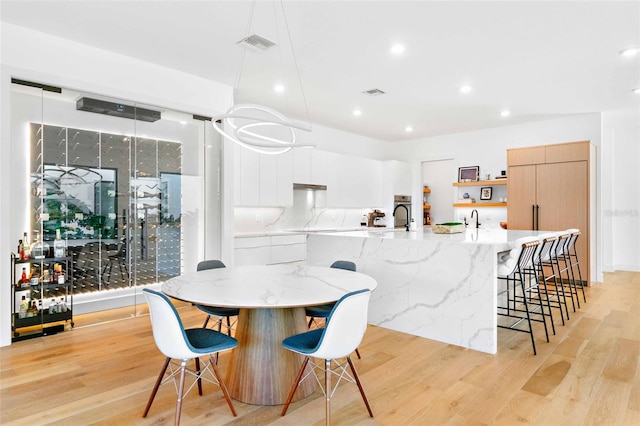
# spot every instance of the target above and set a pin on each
(304, 343)
(319, 311)
(204, 340)
(218, 311)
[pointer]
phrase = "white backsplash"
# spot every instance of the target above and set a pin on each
(303, 215)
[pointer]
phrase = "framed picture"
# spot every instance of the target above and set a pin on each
(469, 174)
(485, 192)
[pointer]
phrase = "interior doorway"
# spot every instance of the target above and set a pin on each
(438, 175)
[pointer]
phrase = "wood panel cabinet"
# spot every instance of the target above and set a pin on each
(555, 194)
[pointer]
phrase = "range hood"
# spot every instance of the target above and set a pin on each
(310, 186)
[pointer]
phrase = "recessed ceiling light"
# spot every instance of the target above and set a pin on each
(465, 89)
(357, 112)
(637, 91)
(631, 51)
(278, 88)
(397, 48)
(183, 122)
(408, 129)
(505, 113)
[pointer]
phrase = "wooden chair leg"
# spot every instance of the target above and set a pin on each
(293, 389)
(183, 368)
(222, 384)
(357, 379)
(156, 386)
(358, 353)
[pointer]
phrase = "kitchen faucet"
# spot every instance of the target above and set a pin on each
(405, 207)
(477, 217)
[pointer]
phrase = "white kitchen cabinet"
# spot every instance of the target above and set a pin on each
(262, 180)
(270, 250)
(396, 178)
(310, 166)
(353, 181)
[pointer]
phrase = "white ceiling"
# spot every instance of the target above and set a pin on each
(537, 59)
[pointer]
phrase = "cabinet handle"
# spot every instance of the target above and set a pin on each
(537, 228)
(533, 217)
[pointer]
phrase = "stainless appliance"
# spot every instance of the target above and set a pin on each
(401, 210)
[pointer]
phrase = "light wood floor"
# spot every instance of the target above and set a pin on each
(589, 374)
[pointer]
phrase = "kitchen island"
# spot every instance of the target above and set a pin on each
(438, 286)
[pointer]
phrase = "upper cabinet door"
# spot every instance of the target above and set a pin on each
(522, 156)
(262, 180)
(353, 181)
(310, 166)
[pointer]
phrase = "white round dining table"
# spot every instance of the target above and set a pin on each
(271, 300)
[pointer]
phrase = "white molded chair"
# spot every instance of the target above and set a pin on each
(177, 343)
(217, 311)
(343, 332)
(323, 311)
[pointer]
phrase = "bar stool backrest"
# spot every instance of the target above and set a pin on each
(563, 242)
(548, 242)
(526, 255)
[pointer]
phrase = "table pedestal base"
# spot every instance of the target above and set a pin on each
(261, 371)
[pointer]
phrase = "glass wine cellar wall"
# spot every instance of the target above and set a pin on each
(126, 195)
(115, 199)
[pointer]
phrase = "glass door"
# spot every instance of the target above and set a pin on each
(127, 193)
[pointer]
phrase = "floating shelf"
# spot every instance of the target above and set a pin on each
(476, 205)
(482, 183)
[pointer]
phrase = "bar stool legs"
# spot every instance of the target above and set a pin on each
(574, 262)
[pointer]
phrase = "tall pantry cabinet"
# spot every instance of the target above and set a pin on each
(552, 188)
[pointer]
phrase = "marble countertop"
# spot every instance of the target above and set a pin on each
(304, 231)
(499, 238)
(270, 286)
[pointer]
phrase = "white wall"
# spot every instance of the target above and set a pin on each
(620, 190)
(35, 56)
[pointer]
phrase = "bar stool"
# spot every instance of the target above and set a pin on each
(536, 273)
(562, 269)
(571, 254)
(546, 272)
(514, 299)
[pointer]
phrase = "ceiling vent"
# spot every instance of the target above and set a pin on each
(117, 110)
(256, 42)
(373, 92)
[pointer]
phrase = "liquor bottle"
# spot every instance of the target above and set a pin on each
(20, 249)
(33, 309)
(39, 249)
(23, 278)
(58, 245)
(24, 306)
(25, 252)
